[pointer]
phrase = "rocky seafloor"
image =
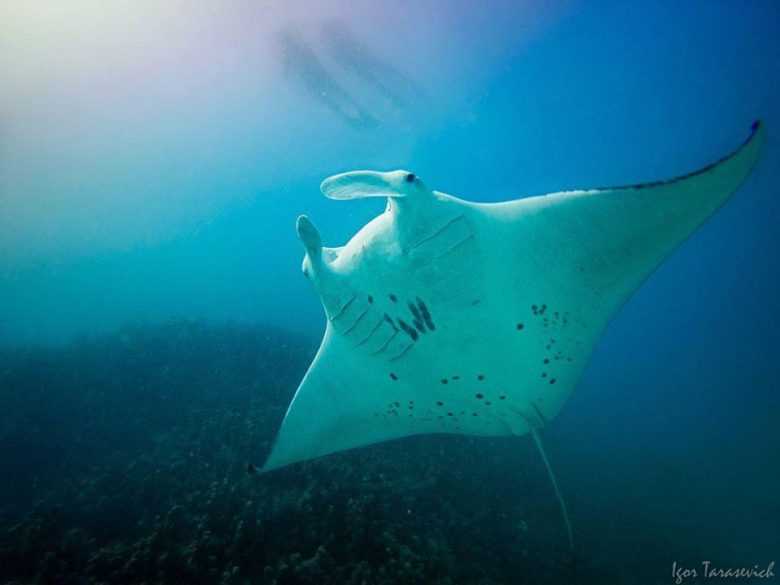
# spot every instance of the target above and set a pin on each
(125, 460)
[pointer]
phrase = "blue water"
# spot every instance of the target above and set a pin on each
(154, 173)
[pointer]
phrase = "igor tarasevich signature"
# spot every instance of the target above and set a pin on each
(708, 570)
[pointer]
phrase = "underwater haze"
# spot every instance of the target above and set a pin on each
(155, 323)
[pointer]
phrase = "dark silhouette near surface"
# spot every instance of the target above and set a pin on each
(302, 66)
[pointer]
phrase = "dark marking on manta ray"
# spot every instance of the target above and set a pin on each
(487, 402)
(370, 299)
(444, 380)
(480, 396)
(480, 377)
(539, 413)
(415, 311)
(546, 360)
(544, 374)
(423, 309)
(393, 376)
(552, 380)
(394, 298)
(426, 314)
(439, 403)
(456, 377)
(520, 326)
(389, 319)
(408, 330)
(753, 129)
(419, 326)
(502, 397)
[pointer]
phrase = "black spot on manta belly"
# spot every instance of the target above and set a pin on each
(408, 330)
(424, 313)
(393, 376)
(389, 319)
(393, 298)
(423, 308)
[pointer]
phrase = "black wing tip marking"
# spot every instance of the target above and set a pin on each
(754, 128)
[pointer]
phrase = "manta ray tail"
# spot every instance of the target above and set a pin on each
(569, 533)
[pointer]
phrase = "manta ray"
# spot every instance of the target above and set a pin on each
(449, 316)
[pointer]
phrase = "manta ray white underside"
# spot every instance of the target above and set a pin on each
(446, 316)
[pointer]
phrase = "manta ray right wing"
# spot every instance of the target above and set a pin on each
(601, 244)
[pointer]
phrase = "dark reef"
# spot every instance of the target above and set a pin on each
(125, 460)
